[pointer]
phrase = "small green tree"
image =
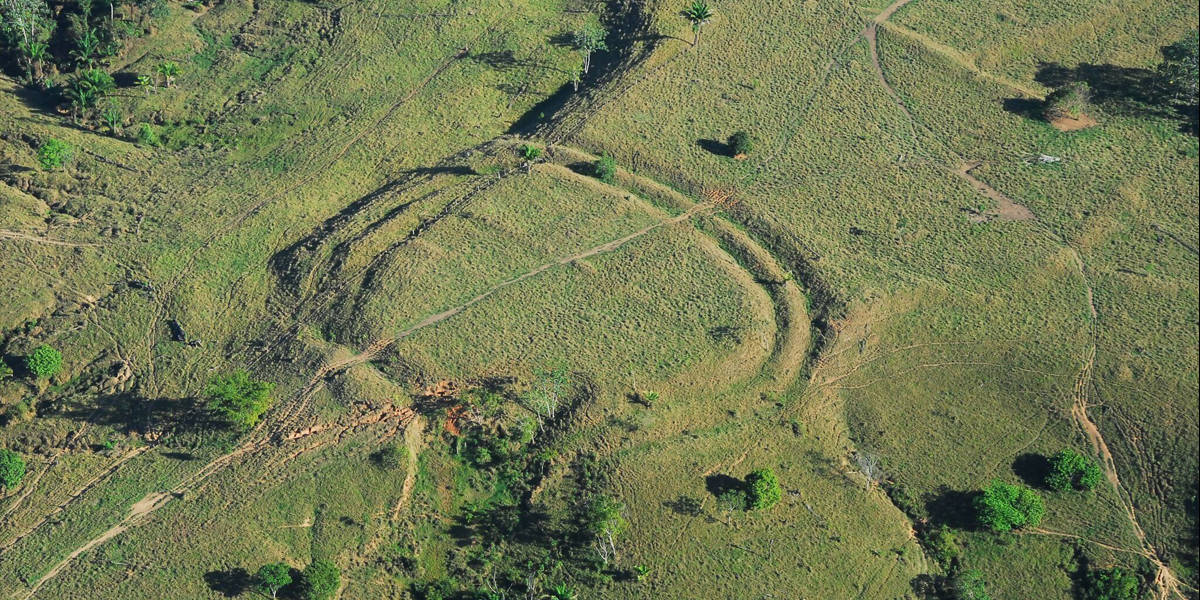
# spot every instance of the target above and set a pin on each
(148, 136)
(239, 399)
(588, 39)
(44, 362)
(1004, 507)
(169, 70)
(320, 580)
(762, 489)
(529, 151)
(1110, 584)
(12, 469)
(699, 14)
(604, 519)
(273, 577)
(1178, 69)
(605, 169)
(53, 154)
(968, 585)
(741, 143)
(1070, 469)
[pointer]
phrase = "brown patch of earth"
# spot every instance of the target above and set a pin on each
(1072, 123)
(1006, 209)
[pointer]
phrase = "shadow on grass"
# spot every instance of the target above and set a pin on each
(229, 583)
(1128, 91)
(1032, 469)
(952, 508)
(721, 483)
(716, 147)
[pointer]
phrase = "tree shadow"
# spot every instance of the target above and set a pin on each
(229, 583)
(952, 508)
(1032, 469)
(720, 483)
(716, 147)
(133, 413)
(685, 505)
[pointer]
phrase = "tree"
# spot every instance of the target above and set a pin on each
(605, 169)
(391, 457)
(1003, 507)
(1178, 69)
(699, 14)
(762, 489)
(969, 585)
(273, 577)
(87, 89)
(169, 71)
(239, 399)
(1070, 469)
(604, 519)
(12, 469)
(1067, 102)
(741, 143)
(44, 361)
(1110, 584)
(588, 39)
(53, 154)
(29, 24)
(320, 580)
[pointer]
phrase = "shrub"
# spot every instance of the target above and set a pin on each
(1004, 507)
(54, 154)
(940, 544)
(44, 362)
(529, 151)
(239, 399)
(1179, 71)
(762, 489)
(741, 143)
(1070, 469)
(1069, 101)
(605, 168)
(969, 585)
(148, 136)
(391, 457)
(12, 469)
(320, 580)
(1110, 584)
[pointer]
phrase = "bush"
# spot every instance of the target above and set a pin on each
(239, 399)
(741, 143)
(12, 469)
(941, 545)
(1069, 101)
(605, 168)
(1070, 469)
(1004, 507)
(529, 151)
(320, 580)
(54, 154)
(44, 362)
(391, 457)
(762, 489)
(969, 585)
(1110, 584)
(148, 136)
(438, 589)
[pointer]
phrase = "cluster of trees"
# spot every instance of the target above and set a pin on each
(318, 581)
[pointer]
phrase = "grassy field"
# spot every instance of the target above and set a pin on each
(338, 202)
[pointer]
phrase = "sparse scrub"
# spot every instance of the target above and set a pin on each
(1068, 102)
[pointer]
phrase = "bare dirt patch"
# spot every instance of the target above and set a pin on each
(1006, 209)
(1065, 123)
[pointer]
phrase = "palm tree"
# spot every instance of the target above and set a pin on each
(699, 14)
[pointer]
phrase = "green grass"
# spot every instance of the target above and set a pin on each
(331, 178)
